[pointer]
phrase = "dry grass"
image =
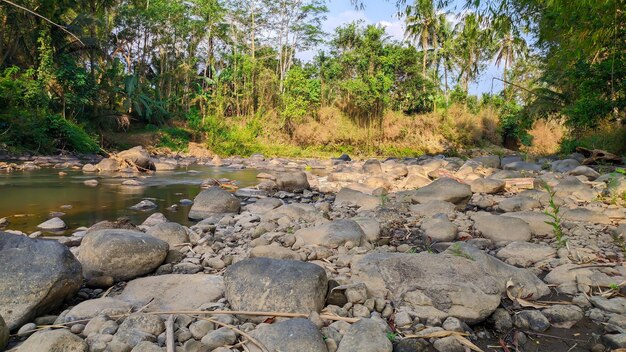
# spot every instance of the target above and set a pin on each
(547, 137)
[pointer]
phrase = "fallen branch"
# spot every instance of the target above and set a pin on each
(169, 334)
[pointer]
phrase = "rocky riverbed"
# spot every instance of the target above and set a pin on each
(424, 254)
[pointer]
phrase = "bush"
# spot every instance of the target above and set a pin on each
(174, 138)
(608, 136)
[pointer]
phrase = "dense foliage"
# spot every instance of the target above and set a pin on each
(227, 70)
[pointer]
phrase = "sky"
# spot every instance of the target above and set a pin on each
(384, 13)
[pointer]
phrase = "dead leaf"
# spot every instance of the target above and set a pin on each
(522, 302)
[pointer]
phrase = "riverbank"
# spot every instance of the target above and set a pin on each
(417, 254)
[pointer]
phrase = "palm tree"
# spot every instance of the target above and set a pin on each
(421, 26)
(509, 46)
(472, 45)
(445, 50)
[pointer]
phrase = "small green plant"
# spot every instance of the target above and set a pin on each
(614, 287)
(554, 212)
(384, 199)
(308, 168)
(456, 250)
(392, 336)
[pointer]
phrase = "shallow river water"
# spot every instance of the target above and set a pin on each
(28, 198)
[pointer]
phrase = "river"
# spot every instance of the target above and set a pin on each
(27, 198)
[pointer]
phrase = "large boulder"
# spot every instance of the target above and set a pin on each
(138, 157)
(292, 181)
(4, 333)
(213, 201)
(462, 282)
(272, 285)
(52, 341)
(173, 291)
(170, 232)
(293, 335)
(333, 234)
(36, 277)
(535, 220)
(445, 189)
(121, 254)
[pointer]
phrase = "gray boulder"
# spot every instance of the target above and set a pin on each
(440, 229)
(90, 308)
(292, 181)
(564, 165)
(365, 335)
(36, 276)
(522, 166)
(501, 229)
(525, 254)
(53, 224)
(424, 283)
(372, 167)
(535, 220)
(108, 165)
(121, 254)
(347, 196)
(263, 284)
(333, 234)
(293, 335)
(139, 157)
(213, 201)
(173, 291)
(53, 340)
(487, 185)
(444, 189)
(170, 232)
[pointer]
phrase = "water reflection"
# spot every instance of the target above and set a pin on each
(27, 198)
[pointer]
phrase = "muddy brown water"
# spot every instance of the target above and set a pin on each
(28, 198)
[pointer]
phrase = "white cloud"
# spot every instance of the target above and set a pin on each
(394, 29)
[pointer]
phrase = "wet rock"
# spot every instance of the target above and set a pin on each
(213, 201)
(262, 284)
(502, 320)
(170, 232)
(40, 276)
(292, 181)
(121, 254)
(144, 205)
(89, 168)
(293, 335)
(53, 224)
(365, 335)
(53, 340)
(333, 234)
(615, 340)
(164, 166)
(563, 316)
(444, 189)
(173, 291)
(531, 319)
(525, 254)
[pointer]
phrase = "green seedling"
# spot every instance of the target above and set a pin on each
(554, 212)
